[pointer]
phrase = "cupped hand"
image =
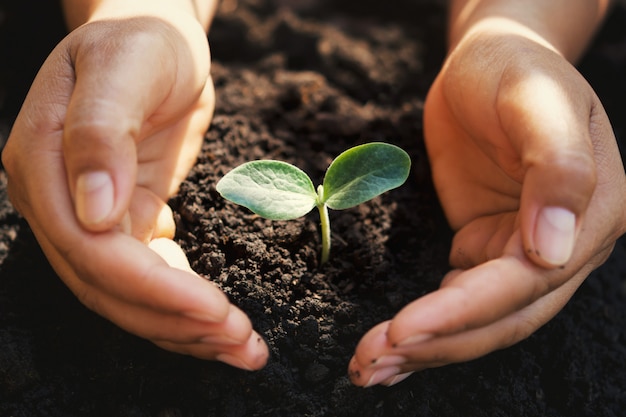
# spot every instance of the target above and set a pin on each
(526, 167)
(110, 127)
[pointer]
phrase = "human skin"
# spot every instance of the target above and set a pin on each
(101, 142)
(527, 169)
(510, 127)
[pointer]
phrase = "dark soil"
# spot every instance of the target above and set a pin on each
(301, 81)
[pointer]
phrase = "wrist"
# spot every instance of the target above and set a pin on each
(78, 12)
(496, 30)
(565, 26)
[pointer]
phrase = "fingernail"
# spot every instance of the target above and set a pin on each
(396, 379)
(233, 361)
(414, 340)
(381, 375)
(94, 197)
(387, 361)
(555, 233)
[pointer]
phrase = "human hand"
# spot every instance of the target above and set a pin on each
(111, 126)
(527, 169)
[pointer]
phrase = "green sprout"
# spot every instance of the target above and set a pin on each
(277, 190)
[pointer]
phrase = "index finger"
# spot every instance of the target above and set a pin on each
(477, 297)
(126, 269)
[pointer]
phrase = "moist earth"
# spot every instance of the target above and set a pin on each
(301, 81)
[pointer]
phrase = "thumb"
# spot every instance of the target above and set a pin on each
(554, 199)
(550, 124)
(171, 252)
(111, 100)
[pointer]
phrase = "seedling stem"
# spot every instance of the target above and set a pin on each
(324, 224)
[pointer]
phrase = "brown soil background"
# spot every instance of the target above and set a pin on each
(302, 81)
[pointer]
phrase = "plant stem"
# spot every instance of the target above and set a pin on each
(324, 224)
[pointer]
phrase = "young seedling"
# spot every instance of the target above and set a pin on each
(277, 190)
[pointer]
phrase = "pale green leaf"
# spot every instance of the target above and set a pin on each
(272, 189)
(363, 172)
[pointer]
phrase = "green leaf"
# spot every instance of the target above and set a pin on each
(363, 172)
(272, 189)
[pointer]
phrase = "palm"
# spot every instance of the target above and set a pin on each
(157, 121)
(104, 113)
(163, 161)
(480, 197)
(165, 157)
(508, 141)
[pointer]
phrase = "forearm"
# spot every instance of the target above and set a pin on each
(78, 12)
(566, 26)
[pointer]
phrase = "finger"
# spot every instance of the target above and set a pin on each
(551, 222)
(112, 106)
(149, 216)
(547, 118)
(167, 316)
(165, 226)
(140, 276)
(116, 263)
(232, 339)
(157, 326)
(477, 297)
(127, 270)
(161, 326)
(482, 239)
(171, 252)
(173, 325)
(251, 355)
(173, 151)
(378, 360)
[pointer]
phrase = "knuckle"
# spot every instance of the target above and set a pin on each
(88, 129)
(569, 175)
(86, 296)
(520, 330)
(577, 166)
